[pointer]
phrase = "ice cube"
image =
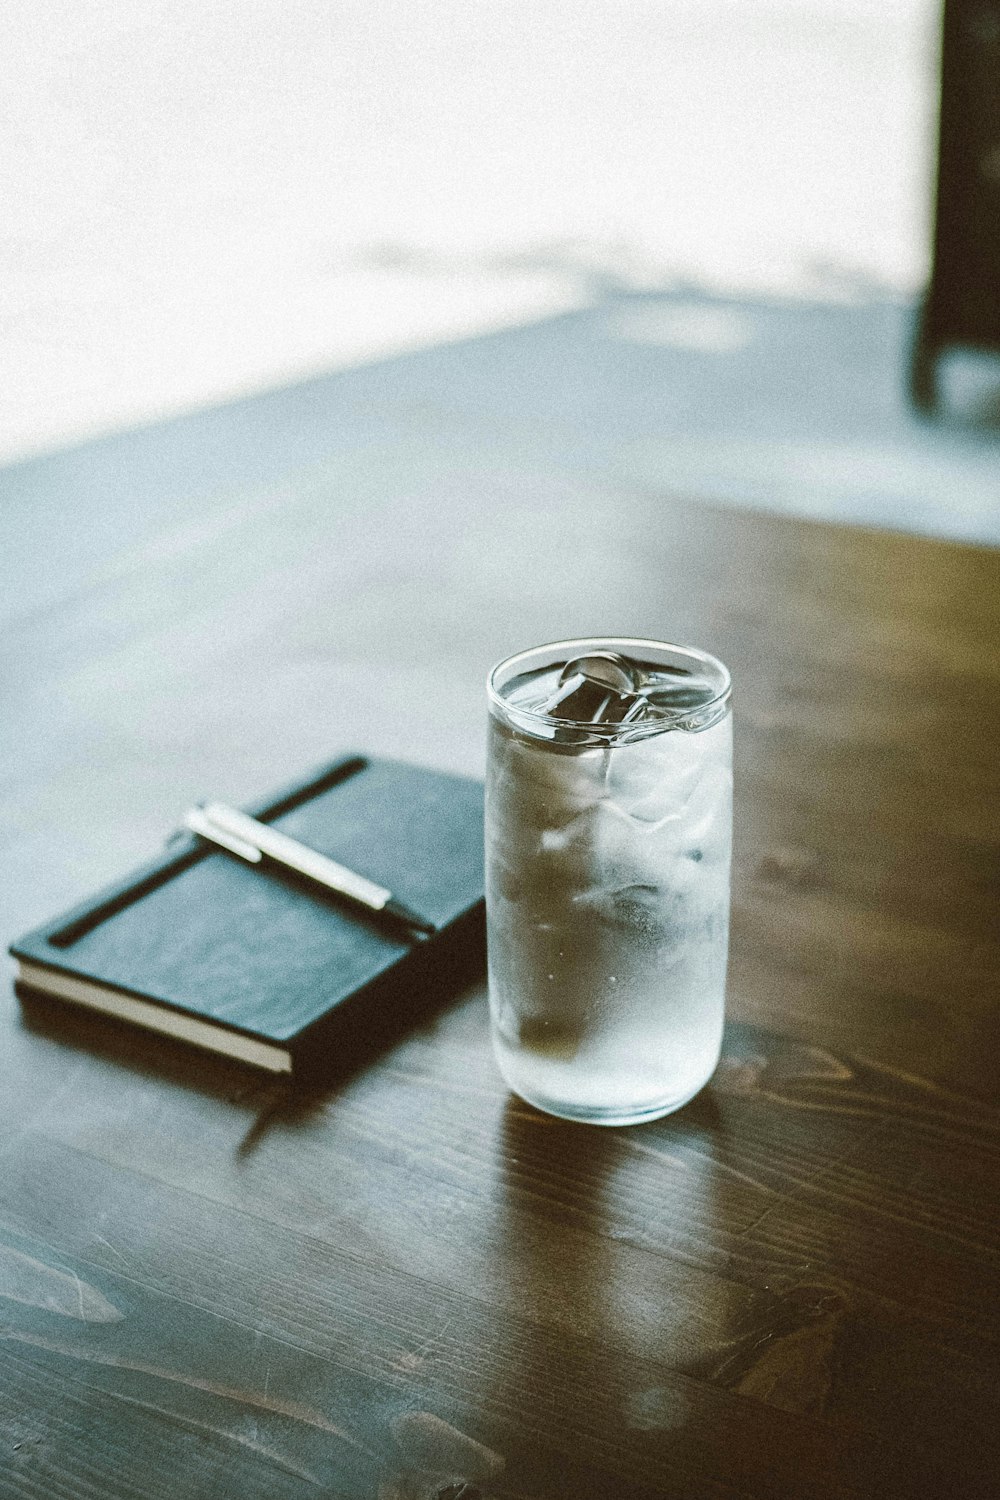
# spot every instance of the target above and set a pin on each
(547, 789)
(679, 692)
(708, 813)
(651, 780)
(606, 667)
(635, 908)
(600, 848)
(595, 689)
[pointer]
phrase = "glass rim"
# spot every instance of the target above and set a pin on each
(586, 732)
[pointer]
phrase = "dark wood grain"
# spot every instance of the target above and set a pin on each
(408, 1285)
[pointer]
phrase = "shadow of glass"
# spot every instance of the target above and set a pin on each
(607, 1242)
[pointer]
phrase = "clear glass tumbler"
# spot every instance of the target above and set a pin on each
(608, 837)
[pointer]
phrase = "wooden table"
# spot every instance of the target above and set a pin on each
(411, 1285)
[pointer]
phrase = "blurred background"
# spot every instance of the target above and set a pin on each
(318, 320)
(714, 214)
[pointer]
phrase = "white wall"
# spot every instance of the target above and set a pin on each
(200, 199)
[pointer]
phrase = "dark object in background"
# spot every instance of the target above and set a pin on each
(962, 303)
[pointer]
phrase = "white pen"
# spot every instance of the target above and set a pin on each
(253, 841)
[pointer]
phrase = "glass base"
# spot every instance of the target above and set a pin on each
(609, 1115)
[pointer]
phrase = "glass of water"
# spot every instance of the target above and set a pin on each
(608, 837)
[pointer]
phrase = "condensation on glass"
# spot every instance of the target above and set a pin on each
(608, 838)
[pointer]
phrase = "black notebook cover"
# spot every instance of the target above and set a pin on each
(260, 966)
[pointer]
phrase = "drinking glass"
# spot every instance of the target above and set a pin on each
(608, 838)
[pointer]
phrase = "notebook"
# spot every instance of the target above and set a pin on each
(256, 964)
